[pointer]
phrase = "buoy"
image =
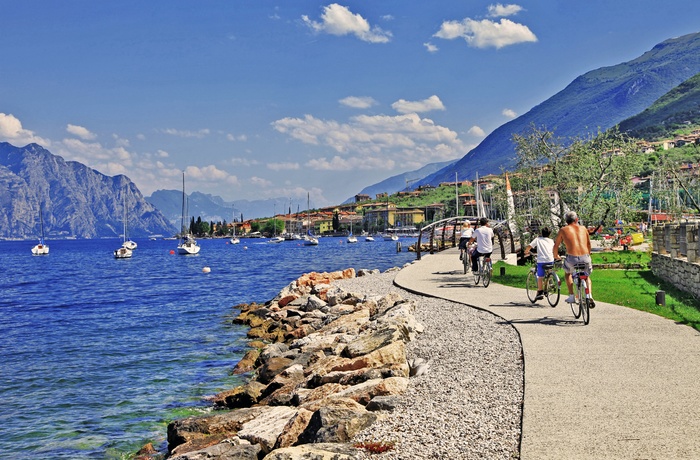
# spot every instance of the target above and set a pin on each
(172, 251)
(206, 270)
(245, 247)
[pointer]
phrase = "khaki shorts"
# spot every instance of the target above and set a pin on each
(570, 261)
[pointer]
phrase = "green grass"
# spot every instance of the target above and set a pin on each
(630, 288)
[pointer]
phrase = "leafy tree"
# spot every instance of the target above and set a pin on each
(336, 221)
(589, 175)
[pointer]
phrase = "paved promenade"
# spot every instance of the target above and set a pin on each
(627, 386)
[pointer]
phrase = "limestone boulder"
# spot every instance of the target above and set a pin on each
(267, 426)
(320, 451)
(272, 367)
(371, 341)
(247, 363)
(364, 392)
(224, 451)
(334, 424)
(242, 396)
(196, 433)
(294, 428)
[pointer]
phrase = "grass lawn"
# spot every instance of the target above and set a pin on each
(631, 288)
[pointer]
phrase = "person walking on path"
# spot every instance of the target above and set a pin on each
(544, 246)
(484, 242)
(578, 250)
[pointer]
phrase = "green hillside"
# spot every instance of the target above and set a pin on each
(673, 113)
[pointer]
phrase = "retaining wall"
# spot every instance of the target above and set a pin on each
(675, 257)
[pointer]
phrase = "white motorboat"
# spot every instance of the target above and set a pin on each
(369, 239)
(123, 253)
(234, 240)
(276, 239)
(188, 245)
(41, 249)
(351, 238)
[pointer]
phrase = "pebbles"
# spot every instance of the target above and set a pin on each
(468, 405)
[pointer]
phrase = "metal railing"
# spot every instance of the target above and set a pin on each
(442, 235)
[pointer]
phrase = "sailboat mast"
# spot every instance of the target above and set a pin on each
(182, 220)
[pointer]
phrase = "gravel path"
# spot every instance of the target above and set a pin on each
(469, 404)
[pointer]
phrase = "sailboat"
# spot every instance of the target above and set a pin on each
(309, 239)
(234, 239)
(187, 245)
(125, 251)
(275, 239)
(351, 238)
(42, 248)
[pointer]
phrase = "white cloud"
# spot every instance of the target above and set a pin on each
(283, 166)
(162, 154)
(341, 164)
(260, 182)
(430, 47)
(355, 102)
(366, 140)
(207, 173)
(339, 20)
(141, 137)
(237, 161)
(509, 113)
(476, 131)
(486, 33)
(498, 10)
(426, 105)
(11, 130)
(186, 133)
(81, 132)
(240, 137)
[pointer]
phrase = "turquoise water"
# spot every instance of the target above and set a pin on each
(98, 354)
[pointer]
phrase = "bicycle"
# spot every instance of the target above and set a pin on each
(582, 297)
(484, 272)
(466, 260)
(551, 284)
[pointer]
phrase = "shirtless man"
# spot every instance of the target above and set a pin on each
(578, 250)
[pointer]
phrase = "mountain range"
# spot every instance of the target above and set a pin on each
(599, 99)
(75, 201)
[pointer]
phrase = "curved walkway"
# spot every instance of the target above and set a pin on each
(626, 386)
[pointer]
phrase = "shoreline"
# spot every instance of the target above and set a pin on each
(369, 367)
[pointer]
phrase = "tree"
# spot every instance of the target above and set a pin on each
(336, 221)
(589, 175)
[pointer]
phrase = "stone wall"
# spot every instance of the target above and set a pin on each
(675, 256)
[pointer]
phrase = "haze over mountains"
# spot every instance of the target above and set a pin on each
(641, 95)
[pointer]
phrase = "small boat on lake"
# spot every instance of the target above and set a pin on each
(188, 245)
(41, 249)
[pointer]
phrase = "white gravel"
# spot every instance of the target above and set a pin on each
(469, 404)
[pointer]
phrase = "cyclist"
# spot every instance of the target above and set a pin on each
(545, 256)
(484, 242)
(467, 232)
(578, 250)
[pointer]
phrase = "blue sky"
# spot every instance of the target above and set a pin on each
(262, 99)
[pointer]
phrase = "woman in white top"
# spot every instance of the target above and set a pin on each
(464, 238)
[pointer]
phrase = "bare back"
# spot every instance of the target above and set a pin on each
(575, 238)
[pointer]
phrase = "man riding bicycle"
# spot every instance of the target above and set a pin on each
(578, 250)
(484, 242)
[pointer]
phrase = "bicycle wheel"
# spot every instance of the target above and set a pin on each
(585, 311)
(465, 262)
(552, 290)
(486, 277)
(575, 306)
(477, 274)
(531, 286)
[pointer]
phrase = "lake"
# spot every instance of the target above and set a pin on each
(99, 354)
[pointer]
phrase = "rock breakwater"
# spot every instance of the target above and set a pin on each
(323, 360)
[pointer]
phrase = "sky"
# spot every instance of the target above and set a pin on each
(276, 99)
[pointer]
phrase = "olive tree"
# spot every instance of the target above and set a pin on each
(591, 176)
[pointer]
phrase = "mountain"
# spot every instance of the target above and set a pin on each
(596, 100)
(214, 208)
(74, 199)
(401, 181)
(676, 109)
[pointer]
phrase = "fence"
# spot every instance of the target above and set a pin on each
(443, 234)
(675, 255)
